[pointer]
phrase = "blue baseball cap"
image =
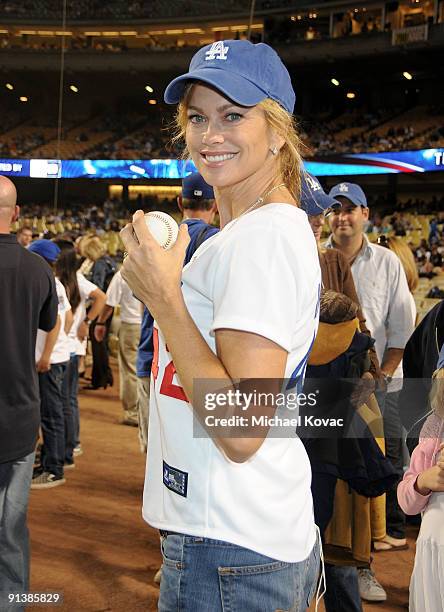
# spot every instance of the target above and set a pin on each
(46, 249)
(244, 72)
(195, 188)
(351, 191)
(314, 200)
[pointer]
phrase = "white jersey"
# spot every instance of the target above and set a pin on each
(60, 352)
(85, 289)
(260, 274)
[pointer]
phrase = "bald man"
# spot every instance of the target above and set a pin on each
(28, 302)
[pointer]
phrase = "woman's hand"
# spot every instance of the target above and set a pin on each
(432, 480)
(82, 331)
(153, 274)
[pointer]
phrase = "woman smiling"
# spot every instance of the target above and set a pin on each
(235, 512)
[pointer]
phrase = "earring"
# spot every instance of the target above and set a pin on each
(274, 150)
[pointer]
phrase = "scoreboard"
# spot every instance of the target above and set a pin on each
(425, 160)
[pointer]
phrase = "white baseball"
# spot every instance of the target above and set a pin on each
(162, 227)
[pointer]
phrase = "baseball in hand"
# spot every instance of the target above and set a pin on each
(162, 227)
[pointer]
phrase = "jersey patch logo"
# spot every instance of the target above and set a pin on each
(175, 480)
(217, 51)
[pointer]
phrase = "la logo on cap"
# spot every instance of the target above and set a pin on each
(217, 51)
(343, 187)
(314, 185)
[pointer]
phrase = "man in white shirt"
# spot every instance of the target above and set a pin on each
(119, 293)
(385, 299)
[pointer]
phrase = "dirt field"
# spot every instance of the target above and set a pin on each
(88, 538)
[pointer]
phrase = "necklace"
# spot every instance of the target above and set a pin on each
(259, 201)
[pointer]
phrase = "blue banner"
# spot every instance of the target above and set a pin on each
(425, 160)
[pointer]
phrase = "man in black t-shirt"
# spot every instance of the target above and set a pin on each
(28, 301)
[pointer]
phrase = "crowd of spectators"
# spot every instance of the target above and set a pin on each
(120, 9)
(359, 131)
(19, 145)
(81, 217)
(137, 135)
(429, 252)
(88, 44)
(322, 134)
(403, 219)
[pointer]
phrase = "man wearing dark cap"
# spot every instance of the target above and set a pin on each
(28, 302)
(198, 208)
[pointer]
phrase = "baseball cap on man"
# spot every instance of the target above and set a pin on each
(244, 72)
(351, 191)
(195, 188)
(314, 200)
(46, 249)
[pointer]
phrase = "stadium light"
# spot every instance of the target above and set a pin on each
(152, 101)
(351, 95)
(74, 88)
(335, 82)
(407, 76)
(149, 88)
(23, 99)
(9, 86)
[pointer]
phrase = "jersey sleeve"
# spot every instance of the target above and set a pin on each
(114, 291)
(257, 288)
(48, 312)
(64, 304)
(86, 287)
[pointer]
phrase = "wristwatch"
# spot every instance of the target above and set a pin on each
(387, 378)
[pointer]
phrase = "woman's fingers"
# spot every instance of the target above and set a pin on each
(143, 234)
(183, 238)
(128, 238)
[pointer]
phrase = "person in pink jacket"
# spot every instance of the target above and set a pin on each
(422, 490)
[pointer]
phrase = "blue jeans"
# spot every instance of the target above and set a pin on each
(15, 482)
(70, 407)
(204, 575)
(342, 593)
(53, 418)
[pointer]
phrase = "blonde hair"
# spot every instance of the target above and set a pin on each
(280, 120)
(437, 393)
(92, 248)
(400, 248)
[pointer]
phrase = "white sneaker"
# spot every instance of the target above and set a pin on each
(369, 587)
